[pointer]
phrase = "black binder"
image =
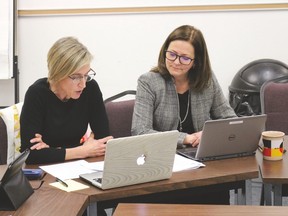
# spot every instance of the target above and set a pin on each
(14, 186)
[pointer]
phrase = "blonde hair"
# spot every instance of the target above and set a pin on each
(66, 56)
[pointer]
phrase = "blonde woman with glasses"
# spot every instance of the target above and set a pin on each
(58, 109)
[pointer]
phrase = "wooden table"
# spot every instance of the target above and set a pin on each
(229, 172)
(215, 172)
(48, 201)
(197, 210)
(274, 174)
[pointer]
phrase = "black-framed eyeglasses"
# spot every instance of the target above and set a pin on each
(77, 78)
(182, 59)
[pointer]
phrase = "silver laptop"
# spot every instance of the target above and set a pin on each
(136, 159)
(227, 138)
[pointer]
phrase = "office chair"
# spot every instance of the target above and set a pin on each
(120, 114)
(274, 103)
(3, 142)
(10, 140)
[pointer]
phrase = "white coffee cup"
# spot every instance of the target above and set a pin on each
(273, 145)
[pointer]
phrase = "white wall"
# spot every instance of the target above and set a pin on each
(72, 4)
(127, 45)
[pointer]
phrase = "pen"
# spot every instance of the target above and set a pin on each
(62, 182)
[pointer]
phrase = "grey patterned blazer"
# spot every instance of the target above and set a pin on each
(157, 107)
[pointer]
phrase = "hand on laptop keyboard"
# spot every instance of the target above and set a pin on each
(193, 139)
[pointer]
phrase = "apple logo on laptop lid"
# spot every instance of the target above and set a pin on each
(141, 160)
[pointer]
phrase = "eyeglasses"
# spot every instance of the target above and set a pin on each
(182, 59)
(77, 78)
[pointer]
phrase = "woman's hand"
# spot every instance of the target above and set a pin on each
(39, 143)
(193, 139)
(93, 147)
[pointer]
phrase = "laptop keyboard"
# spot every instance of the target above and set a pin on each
(191, 151)
(99, 180)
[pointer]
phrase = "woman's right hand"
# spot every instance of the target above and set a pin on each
(38, 142)
(193, 139)
(93, 147)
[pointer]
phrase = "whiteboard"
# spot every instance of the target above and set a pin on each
(6, 39)
(81, 4)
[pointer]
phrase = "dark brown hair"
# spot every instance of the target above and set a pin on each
(200, 74)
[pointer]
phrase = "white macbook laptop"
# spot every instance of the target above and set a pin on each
(227, 138)
(136, 159)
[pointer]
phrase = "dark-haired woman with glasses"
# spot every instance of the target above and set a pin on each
(57, 110)
(181, 92)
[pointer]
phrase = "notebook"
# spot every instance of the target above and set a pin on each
(136, 159)
(227, 138)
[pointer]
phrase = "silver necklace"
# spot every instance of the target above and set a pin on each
(187, 110)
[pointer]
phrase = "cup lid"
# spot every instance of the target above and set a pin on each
(273, 134)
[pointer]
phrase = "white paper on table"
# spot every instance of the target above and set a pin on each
(97, 166)
(182, 163)
(68, 170)
(72, 170)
